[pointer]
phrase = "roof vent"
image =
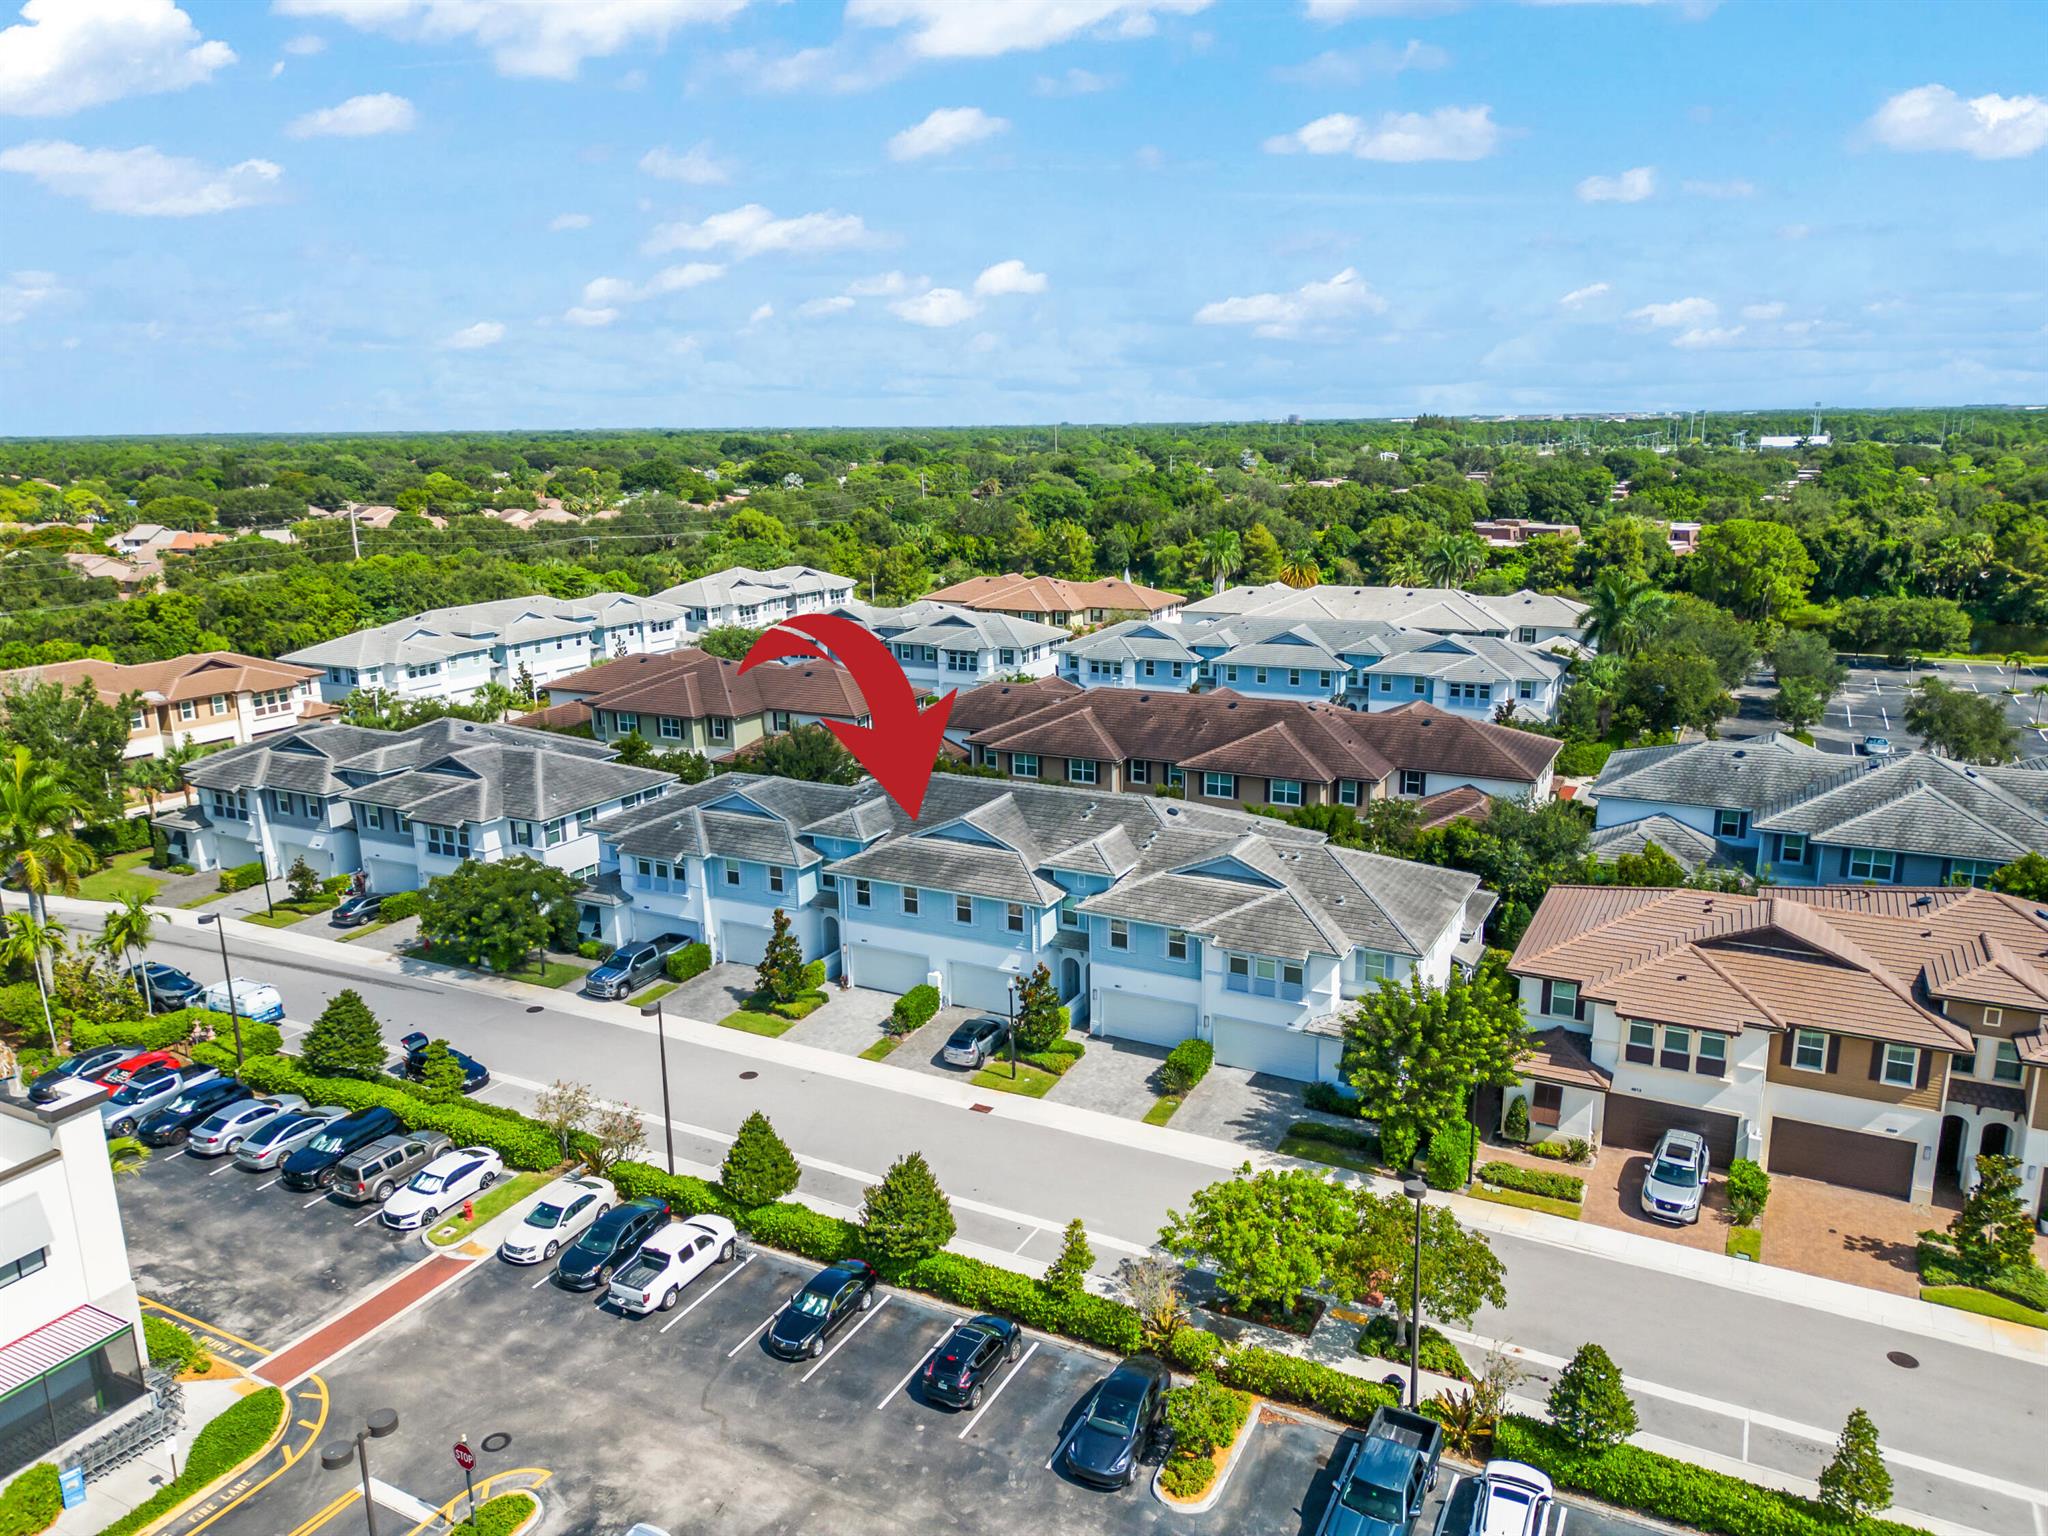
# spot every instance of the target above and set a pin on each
(1923, 901)
(1231, 705)
(1144, 698)
(1740, 752)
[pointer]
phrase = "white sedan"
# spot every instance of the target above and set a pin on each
(557, 1214)
(669, 1260)
(446, 1182)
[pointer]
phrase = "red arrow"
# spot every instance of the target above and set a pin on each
(899, 747)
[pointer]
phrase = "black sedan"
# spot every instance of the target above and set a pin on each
(821, 1308)
(171, 1125)
(82, 1068)
(474, 1073)
(164, 987)
(1122, 1413)
(961, 1369)
(608, 1242)
(354, 911)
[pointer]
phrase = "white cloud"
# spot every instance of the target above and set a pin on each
(1770, 311)
(1734, 188)
(1933, 117)
(837, 70)
(1677, 313)
(753, 231)
(611, 292)
(360, 117)
(24, 291)
(1329, 12)
(522, 36)
(1075, 82)
(1448, 133)
(1007, 277)
(1313, 306)
(696, 165)
(67, 54)
(761, 312)
(1707, 336)
(813, 309)
(1582, 296)
(948, 29)
(277, 69)
(485, 333)
(881, 286)
(566, 221)
(586, 316)
(1629, 187)
(142, 181)
(937, 308)
(1794, 231)
(1353, 66)
(305, 45)
(945, 130)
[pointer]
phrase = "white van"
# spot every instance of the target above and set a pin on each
(253, 999)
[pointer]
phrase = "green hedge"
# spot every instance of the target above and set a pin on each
(1571, 1149)
(1449, 1163)
(914, 1009)
(166, 1030)
(1186, 1065)
(399, 904)
(32, 1502)
(1583, 759)
(1672, 1490)
(691, 960)
(239, 877)
(1192, 1349)
(168, 1344)
(500, 1516)
(1533, 1181)
(1329, 1099)
(2026, 1284)
(21, 1006)
(240, 1432)
(1381, 1338)
(987, 1288)
(1360, 1141)
(1291, 1379)
(522, 1142)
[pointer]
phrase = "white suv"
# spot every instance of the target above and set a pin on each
(1677, 1178)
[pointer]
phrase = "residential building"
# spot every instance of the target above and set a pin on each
(207, 699)
(690, 700)
(449, 653)
(1052, 600)
(71, 1351)
(942, 648)
(1690, 848)
(1878, 1039)
(109, 568)
(1796, 815)
(404, 806)
(1227, 749)
(1533, 618)
(1507, 532)
(742, 597)
(1159, 921)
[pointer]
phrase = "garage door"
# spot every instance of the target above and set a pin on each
(1881, 1164)
(744, 944)
(979, 986)
(888, 970)
(1631, 1122)
(1153, 1020)
(1266, 1048)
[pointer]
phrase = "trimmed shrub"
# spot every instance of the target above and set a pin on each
(1186, 1065)
(1332, 1393)
(802, 1006)
(1748, 1188)
(242, 1430)
(983, 1287)
(914, 1009)
(814, 976)
(592, 949)
(907, 1216)
(759, 1168)
(399, 905)
(1383, 1339)
(345, 1041)
(1571, 1149)
(799, 1229)
(1449, 1165)
(239, 877)
(1534, 1181)
(1360, 1141)
(1516, 1127)
(1588, 1404)
(169, 1344)
(334, 885)
(1583, 759)
(500, 1516)
(157, 1033)
(691, 960)
(1397, 1147)
(1069, 1272)
(523, 1143)
(1205, 1417)
(258, 1039)
(1191, 1349)
(1856, 1482)
(686, 1196)
(32, 1502)
(21, 1006)
(1329, 1099)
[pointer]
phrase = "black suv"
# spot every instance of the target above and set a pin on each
(312, 1166)
(1122, 1413)
(961, 1369)
(608, 1242)
(169, 1126)
(817, 1311)
(164, 987)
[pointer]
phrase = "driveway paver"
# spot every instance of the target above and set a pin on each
(723, 989)
(920, 1049)
(1614, 1195)
(1117, 1077)
(1250, 1108)
(851, 1022)
(1846, 1234)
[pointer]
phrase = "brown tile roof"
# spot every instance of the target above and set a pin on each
(556, 717)
(1050, 594)
(1556, 1056)
(1422, 736)
(1445, 807)
(2033, 1048)
(692, 684)
(182, 677)
(1000, 703)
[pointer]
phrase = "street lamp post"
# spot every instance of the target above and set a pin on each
(1415, 1189)
(337, 1454)
(668, 1128)
(228, 982)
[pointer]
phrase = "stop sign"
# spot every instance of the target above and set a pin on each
(465, 1458)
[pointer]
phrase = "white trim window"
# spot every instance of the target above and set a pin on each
(1176, 944)
(1810, 1050)
(732, 873)
(910, 901)
(1080, 770)
(2005, 1063)
(669, 727)
(1024, 765)
(1119, 933)
(863, 893)
(1414, 781)
(1901, 1066)
(1219, 786)
(963, 909)
(1013, 916)
(1347, 791)
(776, 879)
(1873, 864)
(1140, 771)
(1283, 791)
(448, 842)
(720, 727)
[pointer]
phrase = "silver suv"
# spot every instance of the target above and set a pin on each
(378, 1171)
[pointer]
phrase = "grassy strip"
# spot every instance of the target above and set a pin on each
(243, 1429)
(549, 973)
(1746, 1243)
(1565, 1208)
(500, 1196)
(284, 913)
(1032, 1082)
(1162, 1109)
(1967, 1298)
(502, 1516)
(757, 1023)
(200, 901)
(880, 1050)
(653, 994)
(1318, 1148)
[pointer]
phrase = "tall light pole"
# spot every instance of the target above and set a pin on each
(337, 1454)
(668, 1129)
(228, 982)
(1415, 1189)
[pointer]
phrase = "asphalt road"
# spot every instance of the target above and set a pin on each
(1015, 1184)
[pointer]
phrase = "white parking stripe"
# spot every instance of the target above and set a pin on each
(370, 1218)
(223, 1168)
(543, 1280)
(693, 1306)
(891, 1395)
(316, 1200)
(1015, 1371)
(752, 1332)
(1066, 1439)
(873, 1313)
(273, 1181)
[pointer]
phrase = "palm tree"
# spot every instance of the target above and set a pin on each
(1222, 553)
(176, 761)
(126, 1155)
(1622, 612)
(1301, 569)
(2039, 693)
(37, 813)
(126, 932)
(1452, 559)
(2017, 662)
(24, 939)
(490, 702)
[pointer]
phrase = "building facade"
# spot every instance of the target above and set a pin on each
(1531, 618)
(1053, 600)
(744, 598)
(689, 700)
(943, 648)
(212, 698)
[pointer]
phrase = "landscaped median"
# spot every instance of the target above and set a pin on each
(506, 1515)
(1210, 1424)
(1535, 1189)
(501, 1196)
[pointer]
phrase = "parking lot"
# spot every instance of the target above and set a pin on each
(1873, 700)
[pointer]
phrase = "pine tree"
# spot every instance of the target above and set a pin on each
(781, 973)
(1589, 1405)
(1856, 1483)
(441, 1075)
(1069, 1272)
(759, 1168)
(907, 1216)
(345, 1040)
(1991, 1232)
(1041, 1021)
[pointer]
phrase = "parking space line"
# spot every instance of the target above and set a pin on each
(1015, 1371)
(751, 1332)
(369, 1218)
(266, 1186)
(874, 1313)
(1065, 1440)
(223, 1168)
(203, 1327)
(543, 1280)
(317, 1199)
(891, 1395)
(693, 1306)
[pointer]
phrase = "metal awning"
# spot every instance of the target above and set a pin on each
(37, 1354)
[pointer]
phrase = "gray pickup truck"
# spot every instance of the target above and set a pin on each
(1383, 1479)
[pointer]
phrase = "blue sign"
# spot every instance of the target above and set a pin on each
(72, 1483)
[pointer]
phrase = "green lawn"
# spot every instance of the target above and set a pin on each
(500, 1196)
(1967, 1298)
(1032, 1082)
(654, 994)
(284, 913)
(1162, 1109)
(363, 932)
(1564, 1208)
(126, 874)
(1746, 1243)
(757, 1023)
(549, 973)
(881, 1048)
(1316, 1150)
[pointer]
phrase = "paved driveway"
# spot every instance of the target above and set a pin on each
(1117, 1077)
(920, 1048)
(1234, 1104)
(851, 1022)
(1846, 1234)
(719, 991)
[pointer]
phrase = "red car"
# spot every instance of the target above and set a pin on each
(118, 1074)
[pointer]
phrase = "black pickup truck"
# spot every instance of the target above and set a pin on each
(1383, 1479)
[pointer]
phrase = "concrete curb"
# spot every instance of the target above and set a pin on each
(1215, 1489)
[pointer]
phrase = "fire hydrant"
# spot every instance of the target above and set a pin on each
(469, 1210)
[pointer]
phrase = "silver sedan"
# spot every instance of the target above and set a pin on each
(269, 1145)
(228, 1127)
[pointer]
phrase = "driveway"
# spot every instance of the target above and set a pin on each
(723, 989)
(851, 1022)
(1234, 1104)
(920, 1048)
(1846, 1234)
(1117, 1077)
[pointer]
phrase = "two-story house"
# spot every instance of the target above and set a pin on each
(404, 806)
(1055, 600)
(1531, 618)
(205, 699)
(741, 597)
(1874, 1038)
(516, 642)
(942, 648)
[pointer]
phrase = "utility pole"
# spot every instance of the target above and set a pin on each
(353, 542)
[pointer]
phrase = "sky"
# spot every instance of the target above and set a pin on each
(329, 215)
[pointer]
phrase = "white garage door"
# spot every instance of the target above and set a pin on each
(888, 970)
(979, 986)
(389, 875)
(1266, 1048)
(1155, 1021)
(744, 944)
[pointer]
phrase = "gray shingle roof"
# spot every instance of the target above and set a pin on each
(1751, 773)
(484, 783)
(1438, 608)
(1691, 847)
(444, 632)
(1918, 803)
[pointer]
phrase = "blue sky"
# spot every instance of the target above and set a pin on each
(393, 214)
